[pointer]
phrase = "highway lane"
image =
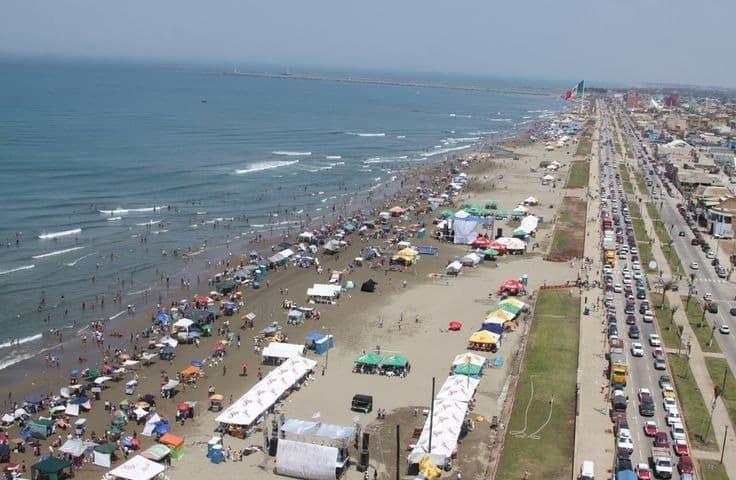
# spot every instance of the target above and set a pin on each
(642, 373)
(706, 279)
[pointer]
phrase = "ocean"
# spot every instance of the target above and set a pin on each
(107, 167)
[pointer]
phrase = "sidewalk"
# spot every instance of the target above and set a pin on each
(697, 360)
(593, 439)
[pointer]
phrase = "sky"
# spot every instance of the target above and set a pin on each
(602, 41)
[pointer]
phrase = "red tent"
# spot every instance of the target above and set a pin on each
(455, 325)
(481, 242)
(511, 286)
(496, 245)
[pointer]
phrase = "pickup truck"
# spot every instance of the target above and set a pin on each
(661, 462)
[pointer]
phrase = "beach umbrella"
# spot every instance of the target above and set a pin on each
(183, 407)
(75, 372)
(455, 325)
(163, 318)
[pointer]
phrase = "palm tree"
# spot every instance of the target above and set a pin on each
(666, 285)
(673, 310)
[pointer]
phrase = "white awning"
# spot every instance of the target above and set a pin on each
(458, 388)
(183, 323)
(454, 266)
(265, 393)
(282, 350)
(306, 460)
(137, 468)
(324, 291)
(76, 447)
(447, 420)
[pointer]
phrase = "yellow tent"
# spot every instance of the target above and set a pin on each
(508, 316)
(428, 469)
(484, 337)
(407, 255)
(495, 320)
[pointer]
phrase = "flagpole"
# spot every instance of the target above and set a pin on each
(582, 98)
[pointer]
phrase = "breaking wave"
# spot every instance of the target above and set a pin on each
(260, 166)
(364, 134)
(64, 233)
(288, 153)
(57, 252)
(17, 269)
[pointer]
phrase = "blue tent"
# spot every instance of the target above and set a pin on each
(75, 372)
(197, 363)
(162, 427)
(493, 327)
(163, 318)
(314, 336)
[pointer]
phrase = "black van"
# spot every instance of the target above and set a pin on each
(362, 403)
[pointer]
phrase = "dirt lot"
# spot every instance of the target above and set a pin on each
(569, 237)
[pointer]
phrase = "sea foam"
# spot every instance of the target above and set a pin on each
(64, 233)
(57, 252)
(260, 166)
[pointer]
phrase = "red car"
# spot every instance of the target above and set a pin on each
(661, 440)
(685, 465)
(650, 428)
(643, 472)
(681, 447)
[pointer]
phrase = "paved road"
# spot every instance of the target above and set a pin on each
(642, 371)
(706, 280)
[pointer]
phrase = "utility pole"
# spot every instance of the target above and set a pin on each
(723, 447)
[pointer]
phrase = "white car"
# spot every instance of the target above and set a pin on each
(654, 340)
(694, 265)
(637, 275)
(634, 250)
(617, 288)
(724, 329)
(648, 317)
(625, 443)
(677, 431)
(673, 416)
(636, 266)
(625, 281)
(637, 349)
(711, 254)
(669, 403)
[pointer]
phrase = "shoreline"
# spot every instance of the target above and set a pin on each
(207, 266)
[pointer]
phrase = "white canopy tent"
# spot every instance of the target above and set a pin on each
(323, 292)
(137, 468)
(306, 460)
(183, 323)
(464, 226)
(471, 259)
(282, 350)
(446, 424)
(469, 357)
(454, 267)
(458, 388)
(76, 447)
(265, 393)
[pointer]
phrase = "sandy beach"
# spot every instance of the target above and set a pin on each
(359, 322)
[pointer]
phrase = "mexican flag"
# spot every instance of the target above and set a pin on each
(575, 91)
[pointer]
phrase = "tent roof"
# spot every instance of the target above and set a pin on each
(370, 358)
(483, 336)
(137, 468)
(156, 452)
(283, 350)
(172, 440)
(467, 369)
(265, 393)
(51, 465)
(395, 360)
(469, 357)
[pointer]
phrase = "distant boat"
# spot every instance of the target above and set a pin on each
(204, 100)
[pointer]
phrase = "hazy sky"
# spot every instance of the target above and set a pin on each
(606, 40)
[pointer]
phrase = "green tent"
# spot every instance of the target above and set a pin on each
(41, 426)
(491, 205)
(227, 286)
(395, 361)
(518, 214)
(491, 252)
(50, 467)
(94, 373)
(156, 452)
(469, 369)
(520, 233)
(115, 430)
(507, 307)
(107, 448)
(369, 358)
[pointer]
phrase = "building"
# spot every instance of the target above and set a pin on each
(721, 218)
